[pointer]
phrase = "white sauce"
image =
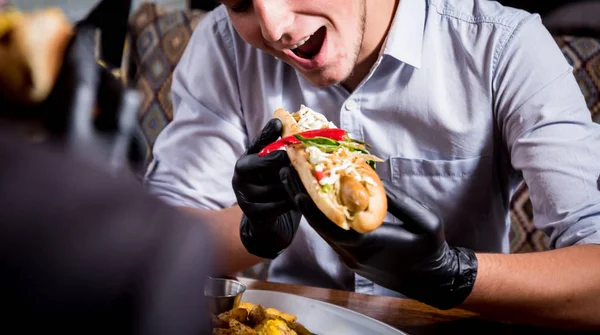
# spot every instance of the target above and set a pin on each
(309, 119)
(316, 156)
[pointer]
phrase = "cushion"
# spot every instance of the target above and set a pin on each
(158, 39)
(583, 53)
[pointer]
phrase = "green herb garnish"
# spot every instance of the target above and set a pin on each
(329, 145)
(323, 143)
(353, 148)
(371, 164)
(350, 139)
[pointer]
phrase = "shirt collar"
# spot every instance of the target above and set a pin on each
(405, 39)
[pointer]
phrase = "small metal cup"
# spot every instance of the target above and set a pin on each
(223, 294)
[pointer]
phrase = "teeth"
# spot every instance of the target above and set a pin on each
(300, 43)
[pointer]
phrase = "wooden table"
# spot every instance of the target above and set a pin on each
(406, 315)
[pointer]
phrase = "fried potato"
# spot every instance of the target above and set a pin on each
(287, 317)
(276, 326)
(246, 305)
(238, 328)
(218, 323)
(251, 319)
(299, 328)
(257, 315)
(238, 314)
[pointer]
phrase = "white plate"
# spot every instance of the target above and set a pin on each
(319, 317)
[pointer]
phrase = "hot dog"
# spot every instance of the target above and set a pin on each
(353, 194)
(32, 46)
(336, 170)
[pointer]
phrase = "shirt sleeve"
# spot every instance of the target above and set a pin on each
(551, 138)
(194, 156)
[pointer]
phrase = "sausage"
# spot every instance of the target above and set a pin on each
(353, 194)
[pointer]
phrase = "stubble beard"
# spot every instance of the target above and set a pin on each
(359, 40)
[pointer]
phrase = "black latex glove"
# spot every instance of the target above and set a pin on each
(412, 258)
(269, 222)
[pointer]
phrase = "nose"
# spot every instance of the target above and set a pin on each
(274, 17)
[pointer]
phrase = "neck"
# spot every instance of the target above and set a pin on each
(378, 20)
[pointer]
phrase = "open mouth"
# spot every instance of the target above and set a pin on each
(311, 46)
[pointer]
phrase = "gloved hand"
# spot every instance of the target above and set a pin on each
(412, 258)
(269, 222)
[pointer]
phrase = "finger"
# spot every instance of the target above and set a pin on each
(322, 225)
(345, 256)
(385, 236)
(266, 211)
(291, 182)
(262, 193)
(417, 218)
(266, 167)
(269, 134)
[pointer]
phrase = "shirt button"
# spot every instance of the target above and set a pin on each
(351, 105)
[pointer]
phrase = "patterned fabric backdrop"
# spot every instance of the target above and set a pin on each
(584, 55)
(159, 38)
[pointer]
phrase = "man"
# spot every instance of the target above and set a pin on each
(463, 99)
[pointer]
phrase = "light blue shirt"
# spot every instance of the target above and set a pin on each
(467, 99)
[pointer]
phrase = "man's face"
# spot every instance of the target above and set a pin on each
(320, 39)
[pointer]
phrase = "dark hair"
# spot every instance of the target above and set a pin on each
(204, 4)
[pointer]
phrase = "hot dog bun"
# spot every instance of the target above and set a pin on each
(368, 199)
(31, 52)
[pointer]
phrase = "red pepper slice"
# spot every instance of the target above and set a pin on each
(319, 175)
(278, 144)
(331, 133)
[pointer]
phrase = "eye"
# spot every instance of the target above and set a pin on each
(242, 6)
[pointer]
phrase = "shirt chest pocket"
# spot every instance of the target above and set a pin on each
(459, 191)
